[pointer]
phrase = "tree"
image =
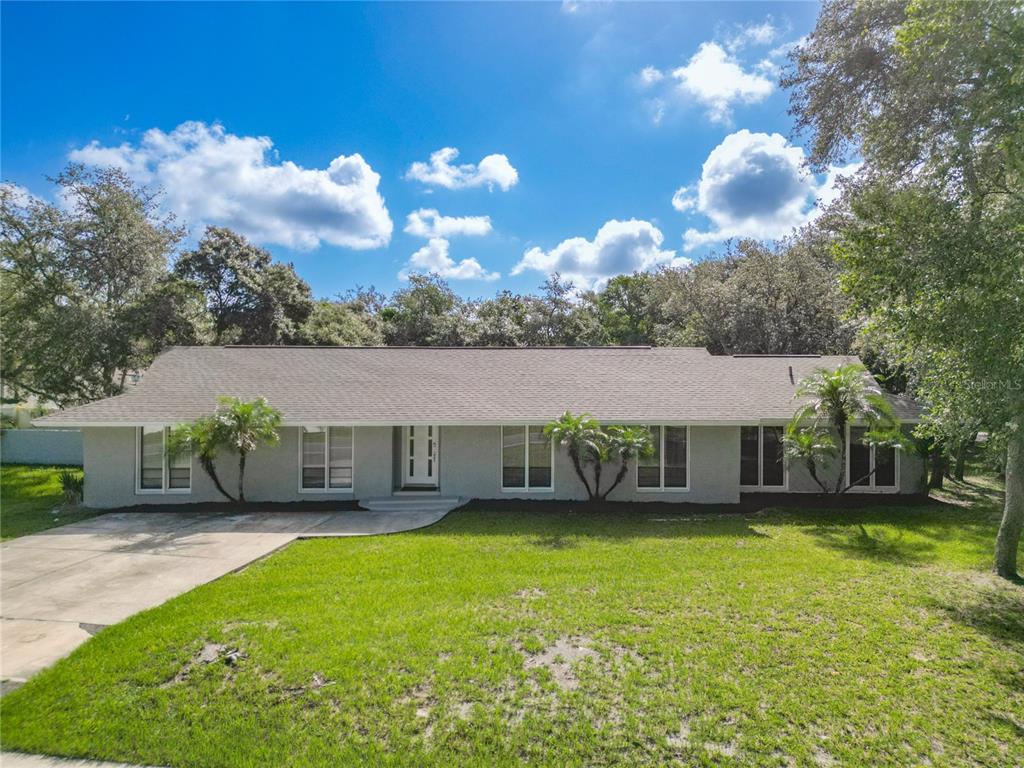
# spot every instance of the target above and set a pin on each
(236, 426)
(783, 299)
(929, 93)
(426, 314)
(836, 399)
(559, 318)
(624, 310)
(589, 445)
(501, 321)
(74, 278)
(339, 323)
(203, 439)
(251, 299)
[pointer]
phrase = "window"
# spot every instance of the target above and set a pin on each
(157, 472)
(526, 459)
(762, 463)
(325, 455)
(666, 468)
(870, 466)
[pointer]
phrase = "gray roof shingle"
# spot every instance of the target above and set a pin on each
(398, 385)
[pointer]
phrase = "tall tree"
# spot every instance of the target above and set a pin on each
(758, 299)
(340, 323)
(624, 309)
(501, 321)
(251, 298)
(559, 318)
(426, 314)
(929, 93)
(74, 278)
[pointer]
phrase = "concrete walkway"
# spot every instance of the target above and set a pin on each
(59, 587)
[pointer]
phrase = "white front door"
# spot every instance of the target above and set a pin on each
(420, 459)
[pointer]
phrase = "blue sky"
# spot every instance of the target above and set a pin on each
(616, 137)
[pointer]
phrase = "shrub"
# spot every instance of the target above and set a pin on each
(73, 485)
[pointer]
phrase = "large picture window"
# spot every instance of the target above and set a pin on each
(156, 472)
(527, 459)
(666, 468)
(325, 456)
(870, 466)
(762, 463)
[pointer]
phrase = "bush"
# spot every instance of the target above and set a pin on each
(73, 485)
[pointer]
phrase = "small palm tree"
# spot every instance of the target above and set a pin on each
(203, 439)
(236, 426)
(582, 438)
(835, 399)
(625, 443)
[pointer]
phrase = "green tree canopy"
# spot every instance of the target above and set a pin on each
(932, 241)
(251, 298)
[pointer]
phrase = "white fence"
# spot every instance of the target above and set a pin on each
(41, 446)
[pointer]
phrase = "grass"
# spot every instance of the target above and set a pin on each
(31, 500)
(649, 636)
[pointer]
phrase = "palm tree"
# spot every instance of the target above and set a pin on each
(236, 426)
(583, 440)
(625, 443)
(201, 438)
(245, 426)
(835, 399)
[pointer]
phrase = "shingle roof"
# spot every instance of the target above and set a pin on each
(397, 385)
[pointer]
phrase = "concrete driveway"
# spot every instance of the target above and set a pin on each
(59, 587)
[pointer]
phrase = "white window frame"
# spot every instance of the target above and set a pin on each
(661, 463)
(164, 466)
(327, 455)
(760, 462)
(871, 487)
(527, 488)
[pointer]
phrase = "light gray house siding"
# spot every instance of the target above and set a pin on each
(271, 474)
(470, 467)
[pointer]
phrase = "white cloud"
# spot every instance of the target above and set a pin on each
(427, 222)
(650, 76)
(756, 33)
(756, 185)
(620, 247)
(210, 176)
(716, 80)
(684, 200)
(492, 170)
(433, 257)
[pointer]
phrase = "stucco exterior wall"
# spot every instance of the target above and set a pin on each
(271, 474)
(470, 467)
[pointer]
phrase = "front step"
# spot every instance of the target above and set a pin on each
(410, 503)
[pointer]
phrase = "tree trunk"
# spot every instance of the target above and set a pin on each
(618, 478)
(1008, 539)
(574, 455)
(212, 472)
(841, 428)
(938, 465)
(241, 477)
(961, 459)
(597, 479)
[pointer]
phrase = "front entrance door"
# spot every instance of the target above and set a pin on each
(420, 456)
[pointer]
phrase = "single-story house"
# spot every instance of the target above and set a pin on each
(362, 423)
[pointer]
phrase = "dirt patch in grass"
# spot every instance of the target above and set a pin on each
(560, 658)
(210, 653)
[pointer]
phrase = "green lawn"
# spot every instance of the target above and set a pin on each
(644, 637)
(31, 500)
